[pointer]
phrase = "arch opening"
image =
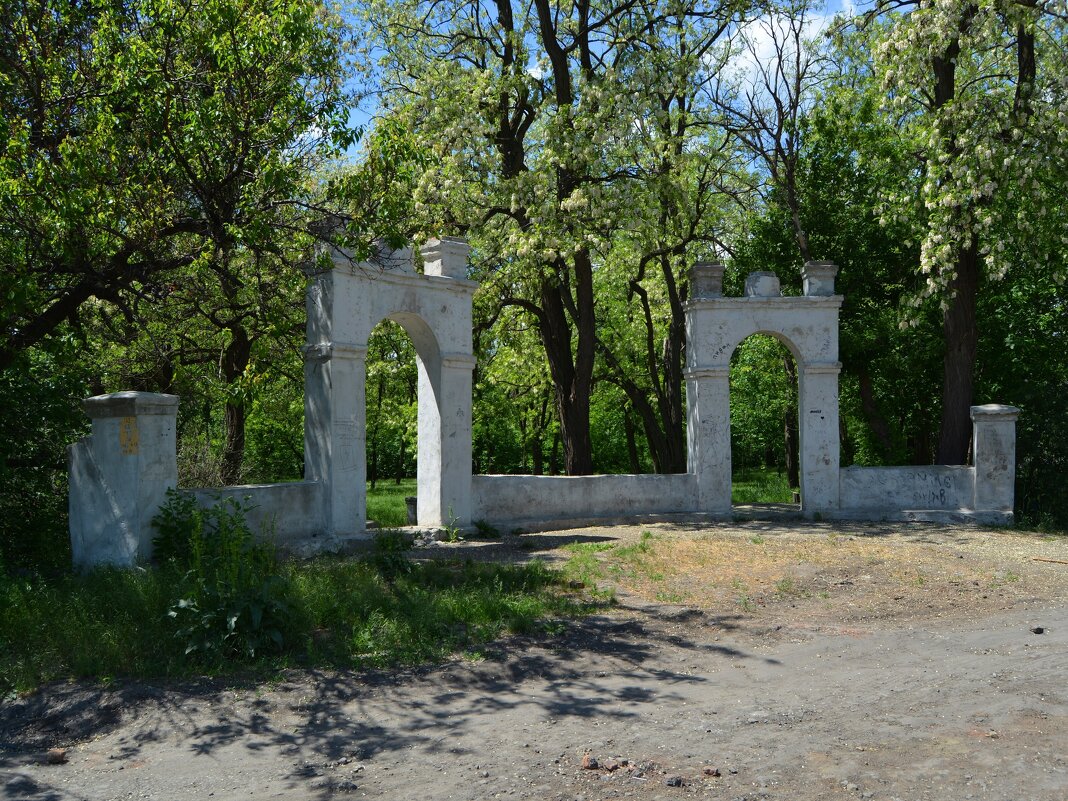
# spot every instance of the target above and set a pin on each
(392, 400)
(764, 421)
(403, 420)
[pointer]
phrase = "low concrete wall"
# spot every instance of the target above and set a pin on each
(906, 493)
(291, 514)
(504, 501)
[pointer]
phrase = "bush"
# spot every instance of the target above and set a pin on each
(232, 599)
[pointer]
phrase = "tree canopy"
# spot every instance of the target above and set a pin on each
(167, 168)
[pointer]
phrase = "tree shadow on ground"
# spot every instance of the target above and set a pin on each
(598, 669)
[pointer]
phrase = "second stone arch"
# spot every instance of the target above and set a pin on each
(808, 326)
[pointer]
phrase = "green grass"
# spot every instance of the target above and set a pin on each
(345, 613)
(591, 562)
(760, 485)
(385, 503)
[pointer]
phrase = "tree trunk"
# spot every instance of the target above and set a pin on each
(234, 364)
(875, 419)
(790, 433)
(632, 446)
(962, 339)
(572, 374)
(537, 455)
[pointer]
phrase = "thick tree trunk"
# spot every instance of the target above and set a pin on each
(572, 374)
(962, 339)
(671, 406)
(235, 361)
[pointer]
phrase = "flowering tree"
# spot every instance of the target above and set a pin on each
(980, 90)
(535, 112)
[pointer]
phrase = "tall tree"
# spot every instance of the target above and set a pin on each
(525, 105)
(143, 137)
(686, 180)
(978, 88)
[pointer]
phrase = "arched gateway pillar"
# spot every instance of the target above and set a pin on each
(808, 326)
(345, 303)
(817, 405)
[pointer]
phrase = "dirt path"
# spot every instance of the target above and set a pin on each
(812, 688)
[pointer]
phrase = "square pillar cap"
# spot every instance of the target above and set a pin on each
(706, 279)
(399, 260)
(446, 257)
(994, 412)
(130, 404)
(817, 278)
(762, 284)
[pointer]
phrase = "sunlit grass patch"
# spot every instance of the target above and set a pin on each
(344, 613)
(760, 485)
(385, 503)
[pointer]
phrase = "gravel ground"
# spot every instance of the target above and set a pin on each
(796, 661)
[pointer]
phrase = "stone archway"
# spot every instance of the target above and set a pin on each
(344, 304)
(808, 326)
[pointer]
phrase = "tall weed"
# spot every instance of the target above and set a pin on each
(233, 600)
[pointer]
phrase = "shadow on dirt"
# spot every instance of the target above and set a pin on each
(319, 719)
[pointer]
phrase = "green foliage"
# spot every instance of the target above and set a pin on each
(762, 396)
(344, 613)
(390, 554)
(148, 137)
(485, 531)
(40, 414)
(232, 600)
(392, 406)
(760, 485)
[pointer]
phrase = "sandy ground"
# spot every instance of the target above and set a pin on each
(795, 662)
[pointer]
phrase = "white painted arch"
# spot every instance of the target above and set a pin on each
(808, 326)
(344, 304)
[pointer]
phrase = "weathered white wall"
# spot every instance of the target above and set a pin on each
(119, 477)
(290, 514)
(891, 492)
(982, 493)
(505, 501)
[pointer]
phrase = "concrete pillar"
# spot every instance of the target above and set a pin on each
(994, 455)
(119, 477)
(335, 433)
(444, 491)
(819, 435)
(708, 434)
